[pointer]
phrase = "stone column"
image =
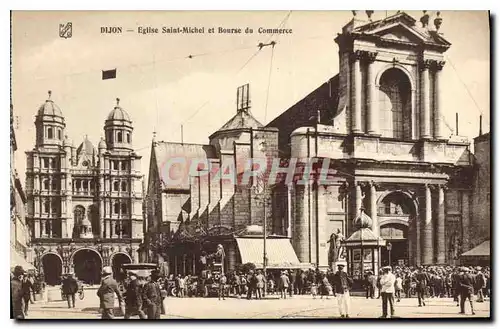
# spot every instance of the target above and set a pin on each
(441, 239)
(465, 221)
(231, 257)
(356, 94)
(373, 209)
(438, 104)
(358, 198)
(427, 230)
(425, 123)
(290, 209)
(37, 228)
(101, 218)
(43, 232)
(372, 96)
(301, 226)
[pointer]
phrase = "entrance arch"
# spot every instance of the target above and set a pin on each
(397, 212)
(88, 265)
(117, 260)
(52, 268)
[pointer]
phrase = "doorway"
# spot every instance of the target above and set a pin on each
(88, 266)
(118, 260)
(52, 269)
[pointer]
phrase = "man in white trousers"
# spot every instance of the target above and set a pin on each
(342, 284)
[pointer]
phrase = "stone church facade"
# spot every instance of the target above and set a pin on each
(84, 205)
(380, 125)
(380, 122)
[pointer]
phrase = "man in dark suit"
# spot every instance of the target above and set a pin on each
(151, 296)
(466, 288)
(70, 288)
(16, 293)
(421, 279)
(133, 298)
(107, 292)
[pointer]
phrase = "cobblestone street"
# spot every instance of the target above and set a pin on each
(298, 307)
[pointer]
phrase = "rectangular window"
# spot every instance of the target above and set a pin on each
(45, 162)
(124, 165)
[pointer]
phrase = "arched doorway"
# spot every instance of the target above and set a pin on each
(117, 261)
(395, 104)
(88, 266)
(396, 213)
(52, 269)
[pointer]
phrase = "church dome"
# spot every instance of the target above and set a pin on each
(49, 108)
(363, 220)
(86, 146)
(102, 144)
(118, 113)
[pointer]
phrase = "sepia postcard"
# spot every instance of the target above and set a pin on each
(250, 165)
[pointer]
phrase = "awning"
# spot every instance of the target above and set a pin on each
(280, 253)
(482, 250)
(16, 259)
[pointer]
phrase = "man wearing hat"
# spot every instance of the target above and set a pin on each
(421, 279)
(387, 282)
(466, 289)
(284, 284)
(151, 296)
(133, 297)
(342, 285)
(107, 292)
(16, 289)
(69, 289)
(480, 284)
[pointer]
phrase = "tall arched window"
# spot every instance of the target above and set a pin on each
(46, 184)
(54, 184)
(124, 186)
(124, 208)
(50, 133)
(79, 214)
(59, 134)
(116, 186)
(395, 104)
(117, 208)
(46, 206)
(119, 137)
(128, 137)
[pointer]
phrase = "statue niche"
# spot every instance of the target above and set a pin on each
(83, 227)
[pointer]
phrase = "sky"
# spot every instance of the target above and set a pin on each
(161, 88)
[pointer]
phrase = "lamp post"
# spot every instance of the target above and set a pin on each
(260, 188)
(389, 248)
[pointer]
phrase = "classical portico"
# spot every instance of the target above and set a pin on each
(388, 146)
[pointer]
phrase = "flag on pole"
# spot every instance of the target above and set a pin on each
(109, 74)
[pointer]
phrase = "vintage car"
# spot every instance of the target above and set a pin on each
(143, 269)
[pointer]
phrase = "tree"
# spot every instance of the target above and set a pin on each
(247, 267)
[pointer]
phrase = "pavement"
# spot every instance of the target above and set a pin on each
(297, 307)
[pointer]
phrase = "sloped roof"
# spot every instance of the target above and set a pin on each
(279, 252)
(364, 236)
(86, 146)
(483, 249)
(166, 152)
(242, 119)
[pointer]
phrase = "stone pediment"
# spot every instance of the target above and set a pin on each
(400, 28)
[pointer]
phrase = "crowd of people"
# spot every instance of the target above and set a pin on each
(144, 293)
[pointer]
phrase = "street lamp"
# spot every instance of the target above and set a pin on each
(389, 248)
(261, 189)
